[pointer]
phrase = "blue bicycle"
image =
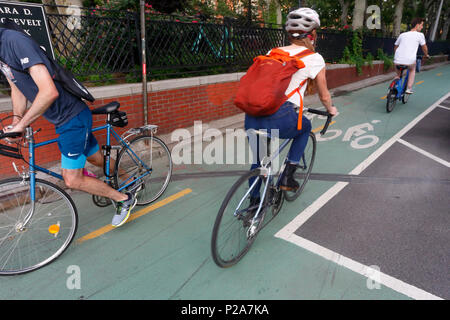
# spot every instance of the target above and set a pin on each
(38, 219)
(397, 89)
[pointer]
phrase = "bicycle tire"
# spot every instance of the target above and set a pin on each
(47, 234)
(158, 180)
(308, 156)
(222, 228)
(391, 100)
(405, 98)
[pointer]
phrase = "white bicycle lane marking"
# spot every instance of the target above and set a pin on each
(288, 232)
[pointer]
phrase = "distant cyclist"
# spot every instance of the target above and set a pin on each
(301, 27)
(406, 48)
(29, 73)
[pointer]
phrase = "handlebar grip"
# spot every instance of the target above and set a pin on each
(325, 127)
(10, 134)
(322, 113)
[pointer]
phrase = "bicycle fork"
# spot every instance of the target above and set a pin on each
(20, 226)
(255, 220)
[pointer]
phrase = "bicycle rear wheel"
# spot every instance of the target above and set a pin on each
(152, 152)
(391, 100)
(304, 168)
(405, 98)
(26, 245)
(234, 229)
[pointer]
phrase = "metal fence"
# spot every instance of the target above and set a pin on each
(182, 48)
(97, 45)
(102, 46)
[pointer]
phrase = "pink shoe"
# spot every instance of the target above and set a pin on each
(87, 173)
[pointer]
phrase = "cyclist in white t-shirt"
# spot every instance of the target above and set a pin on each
(406, 50)
(301, 26)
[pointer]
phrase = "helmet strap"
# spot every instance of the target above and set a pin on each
(301, 35)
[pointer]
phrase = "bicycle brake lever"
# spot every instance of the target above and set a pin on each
(322, 113)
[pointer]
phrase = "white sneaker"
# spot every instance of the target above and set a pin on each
(123, 210)
(409, 91)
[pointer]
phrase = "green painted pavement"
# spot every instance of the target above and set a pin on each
(165, 254)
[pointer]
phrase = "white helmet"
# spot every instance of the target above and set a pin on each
(302, 19)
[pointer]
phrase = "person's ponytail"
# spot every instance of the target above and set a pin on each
(305, 42)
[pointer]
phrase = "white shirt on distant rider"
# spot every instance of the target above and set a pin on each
(408, 43)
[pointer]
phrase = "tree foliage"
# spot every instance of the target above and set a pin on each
(330, 11)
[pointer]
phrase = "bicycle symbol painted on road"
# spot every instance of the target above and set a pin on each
(357, 135)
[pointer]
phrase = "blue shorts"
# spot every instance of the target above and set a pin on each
(76, 141)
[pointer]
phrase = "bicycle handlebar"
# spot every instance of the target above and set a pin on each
(9, 151)
(322, 113)
(10, 134)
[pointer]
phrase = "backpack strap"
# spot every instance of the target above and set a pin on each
(300, 110)
(15, 69)
(304, 53)
(300, 55)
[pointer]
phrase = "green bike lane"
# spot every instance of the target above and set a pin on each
(165, 252)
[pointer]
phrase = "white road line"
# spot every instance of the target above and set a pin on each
(425, 153)
(287, 232)
(447, 108)
(381, 278)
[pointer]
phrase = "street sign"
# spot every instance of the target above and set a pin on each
(31, 18)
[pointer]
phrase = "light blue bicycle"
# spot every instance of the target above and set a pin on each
(38, 219)
(240, 219)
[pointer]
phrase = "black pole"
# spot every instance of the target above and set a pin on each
(144, 62)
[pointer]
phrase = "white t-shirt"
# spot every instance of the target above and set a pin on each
(408, 43)
(313, 64)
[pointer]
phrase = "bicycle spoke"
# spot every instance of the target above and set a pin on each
(146, 159)
(27, 247)
(231, 240)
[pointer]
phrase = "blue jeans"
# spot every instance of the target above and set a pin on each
(285, 121)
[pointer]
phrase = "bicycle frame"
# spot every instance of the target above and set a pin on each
(225, 39)
(268, 172)
(32, 146)
(401, 85)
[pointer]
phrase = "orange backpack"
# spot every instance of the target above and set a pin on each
(262, 89)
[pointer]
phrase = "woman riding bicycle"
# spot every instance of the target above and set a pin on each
(301, 26)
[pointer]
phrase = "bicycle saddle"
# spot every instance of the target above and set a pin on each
(402, 67)
(108, 108)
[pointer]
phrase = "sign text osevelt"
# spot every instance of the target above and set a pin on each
(31, 18)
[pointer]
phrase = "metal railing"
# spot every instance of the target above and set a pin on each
(102, 46)
(96, 45)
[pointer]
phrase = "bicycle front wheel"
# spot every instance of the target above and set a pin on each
(148, 157)
(235, 229)
(33, 233)
(304, 168)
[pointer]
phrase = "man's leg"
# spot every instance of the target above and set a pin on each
(97, 160)
(411, 77)
(75, 179)
(398, 73)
